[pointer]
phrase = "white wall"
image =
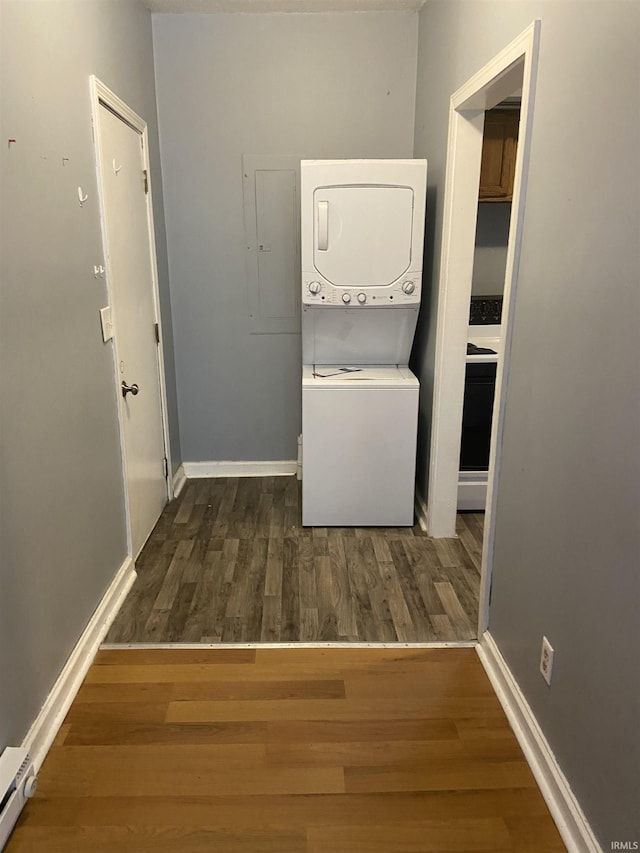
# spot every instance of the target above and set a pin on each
(328, 85)
(566, 549)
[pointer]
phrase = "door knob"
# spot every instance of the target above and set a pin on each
(129, 389)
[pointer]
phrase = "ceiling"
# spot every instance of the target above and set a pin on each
(212, 6)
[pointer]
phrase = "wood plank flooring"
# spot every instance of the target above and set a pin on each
(286, 751)
(229, 561)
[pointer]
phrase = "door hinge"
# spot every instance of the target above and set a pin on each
(145, 180)
(157, 331)
(166, 467)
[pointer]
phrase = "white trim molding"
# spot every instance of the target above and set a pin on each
(268, 468)
(179, 481)
(45, 728)
(513, 67)
(565, 809)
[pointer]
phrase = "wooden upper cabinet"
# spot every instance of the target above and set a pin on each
(499, 155)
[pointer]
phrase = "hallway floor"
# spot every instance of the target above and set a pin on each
(229, 562)
(286, 751)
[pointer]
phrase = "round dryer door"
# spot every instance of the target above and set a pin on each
(362, 234)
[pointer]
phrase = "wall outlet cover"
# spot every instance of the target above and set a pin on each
(546, 660)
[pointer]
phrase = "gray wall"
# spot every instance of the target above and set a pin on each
(334, 85)
(61, 515)
(490, 256)
(566, 550)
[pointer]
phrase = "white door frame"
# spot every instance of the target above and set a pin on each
(514, 66)
(101, 94)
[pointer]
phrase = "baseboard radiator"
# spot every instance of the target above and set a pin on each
(17, 783)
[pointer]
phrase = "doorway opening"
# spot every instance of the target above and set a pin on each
(509, 73)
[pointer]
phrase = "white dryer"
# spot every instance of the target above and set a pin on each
(362, 239)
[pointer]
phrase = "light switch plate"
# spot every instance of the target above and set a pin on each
(107, 326)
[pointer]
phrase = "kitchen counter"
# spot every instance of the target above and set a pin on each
(485, 336)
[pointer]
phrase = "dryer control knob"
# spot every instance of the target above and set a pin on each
(346, 298)
(362, 298)
(314, 287)
(408, 286)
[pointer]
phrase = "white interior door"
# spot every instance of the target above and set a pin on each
(129, 264)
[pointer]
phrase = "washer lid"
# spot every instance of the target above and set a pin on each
(358, 376)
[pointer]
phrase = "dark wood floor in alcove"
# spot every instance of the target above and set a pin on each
(229, 562)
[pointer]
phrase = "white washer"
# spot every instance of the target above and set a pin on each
(361, 248)
(358, 449)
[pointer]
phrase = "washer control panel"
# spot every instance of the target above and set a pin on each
(405, 291)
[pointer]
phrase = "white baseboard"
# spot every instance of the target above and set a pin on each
(179, 480)
(43, 731)
(421, 512)
(565, 809)
(472, 490)
(267, 468)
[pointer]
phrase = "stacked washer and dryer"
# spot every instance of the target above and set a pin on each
(362, 241)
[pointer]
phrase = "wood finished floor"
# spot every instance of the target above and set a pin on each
(286, 751)
(230, 562)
